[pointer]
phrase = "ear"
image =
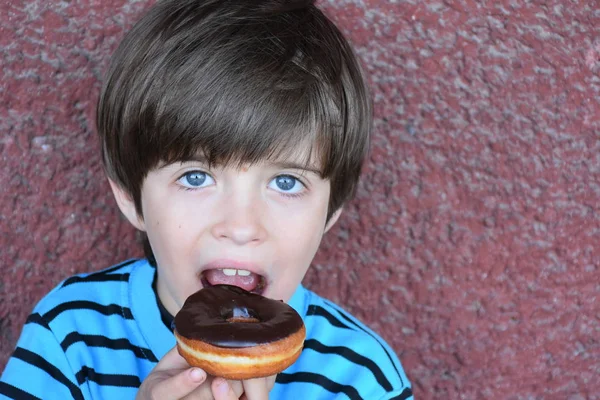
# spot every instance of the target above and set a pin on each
(127, 206)
(334, 217)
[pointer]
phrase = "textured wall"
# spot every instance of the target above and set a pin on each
(471, 245)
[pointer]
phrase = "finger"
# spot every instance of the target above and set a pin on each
(205, 390)
(237, 387)
(256, 389)
(271, 381)
(178, 386)
(171, 360)
(222, 390)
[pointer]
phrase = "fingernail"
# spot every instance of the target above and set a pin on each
(197, 375)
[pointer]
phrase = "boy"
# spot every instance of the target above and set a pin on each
(232, 134)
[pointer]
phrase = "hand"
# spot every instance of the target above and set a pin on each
(173, 379)
(254, 389)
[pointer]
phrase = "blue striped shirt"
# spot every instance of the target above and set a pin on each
(98, 335)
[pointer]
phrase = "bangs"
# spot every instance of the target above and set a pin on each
(246, 127)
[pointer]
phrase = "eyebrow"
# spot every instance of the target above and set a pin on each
(279, 164)
(195, 158)
(293, 165)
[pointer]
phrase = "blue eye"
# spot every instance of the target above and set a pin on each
(286, 184)
(195, 179)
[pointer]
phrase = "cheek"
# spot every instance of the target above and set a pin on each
(298, 241)
(166, 226)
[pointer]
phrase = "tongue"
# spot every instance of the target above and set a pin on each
(217, 277)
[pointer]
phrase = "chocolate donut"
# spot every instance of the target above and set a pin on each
(235, 334)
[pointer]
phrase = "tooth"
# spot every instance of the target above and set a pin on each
(243, 272)
(229, 271)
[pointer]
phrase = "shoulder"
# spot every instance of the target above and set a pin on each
(97, 293)
(358, 360)
(73, 334)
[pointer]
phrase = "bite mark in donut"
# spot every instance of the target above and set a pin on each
(235, 334)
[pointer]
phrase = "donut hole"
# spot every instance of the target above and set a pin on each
(240, 314)
(244, 320)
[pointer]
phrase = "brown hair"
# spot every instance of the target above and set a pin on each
(239, 80)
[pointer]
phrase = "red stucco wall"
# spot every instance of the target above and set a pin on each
(472, 244)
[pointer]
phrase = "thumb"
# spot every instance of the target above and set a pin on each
(178, 386)
(171, 378)
(171, 360)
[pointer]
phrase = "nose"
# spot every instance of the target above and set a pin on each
(241, 221)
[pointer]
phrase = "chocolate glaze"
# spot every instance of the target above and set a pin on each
(205, 314)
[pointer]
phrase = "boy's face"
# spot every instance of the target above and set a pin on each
(257, 227)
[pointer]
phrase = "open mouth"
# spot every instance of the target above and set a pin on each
(244, 279)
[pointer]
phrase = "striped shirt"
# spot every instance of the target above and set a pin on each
(98, 335)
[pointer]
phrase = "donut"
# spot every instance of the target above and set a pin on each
(232, 333)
